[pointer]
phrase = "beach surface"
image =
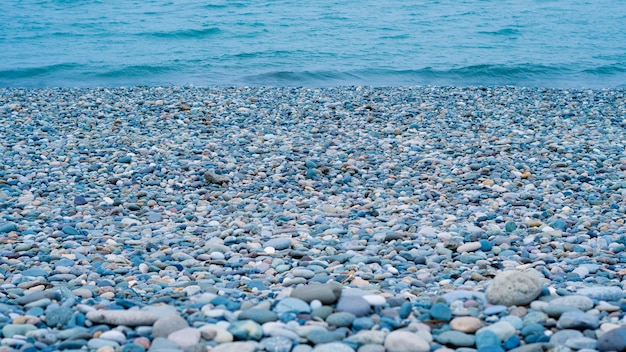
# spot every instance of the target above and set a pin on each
(295, 219)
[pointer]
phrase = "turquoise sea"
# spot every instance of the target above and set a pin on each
(536, 43)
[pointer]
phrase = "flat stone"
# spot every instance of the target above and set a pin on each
(515, 287)
(122, 317)
(186, 337)
(260, 316)
(354, 304)
(465, 324)
(333, 347)
(608, 293)
(575, 301)
(456, 339)
(405, 341)
(326, 293)
(239, 346)
(168, 324)
(578, 320)
(613, 340)
(502, 329)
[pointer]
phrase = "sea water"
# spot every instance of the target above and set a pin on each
(537, 43)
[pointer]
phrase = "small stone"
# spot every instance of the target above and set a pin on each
(114, 335)
(166, 325)
(515, 287)
(80, 200)
(122, 317)
(469, 247)
(277, 344)
(212, 177)
(186, 337)
(608, 293)
(291, 304)
(58, 316)
(613, 340)
(456, 339)
(260, 316)
(578, 320)
(340, 319)
(440, 311)
(405, 341)
(465, 324)
(125, 159)
(238, 346)
(278, 243)
(326, 293)
(356, 305)
(574, 301)
(8, 227)
(10, 330)
(332, 347)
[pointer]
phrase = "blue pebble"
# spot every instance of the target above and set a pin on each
(133, 347)
(69, 230)
(124, 160)
(8, 227)
(405, 310)
(363, 323)
(80, 200)
(440, 311)
(486, 338)
(559, 224)
(485, 245)
(512, 342)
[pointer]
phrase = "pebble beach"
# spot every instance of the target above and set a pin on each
(169, 219)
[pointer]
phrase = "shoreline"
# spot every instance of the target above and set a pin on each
(219, 205)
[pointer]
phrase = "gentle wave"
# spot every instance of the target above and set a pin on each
(177, 74)
(183, 34)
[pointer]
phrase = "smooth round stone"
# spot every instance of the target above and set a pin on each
(602, 293)
(485, 338)
(561, 337)
(58, 316)
(277, 344)
(326, 293)
(515, 287)
(456, 339)
(122, 317)
(469, 247)
(465, 324)
(341, 319)
(405, 341)
(578, 320)
(613, 340)
(258, 315)
(95, 344)
(114, 335)
(321, 336)
(555, 310)
(333, 347)
(363, 323)
(495, 309)
(10, 330)
(371, 348)
(291, 304)
(440, 311)
(534, 317)
(304, 273)
(216, 333)
(575, 301)
(356, 305)
(168, 324)
(238, 346)
(582, 343)
(278, 243)
(185, 338)
(322, 312)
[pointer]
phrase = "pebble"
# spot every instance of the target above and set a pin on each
(301, 219)
(405, 341)
(512, 288)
